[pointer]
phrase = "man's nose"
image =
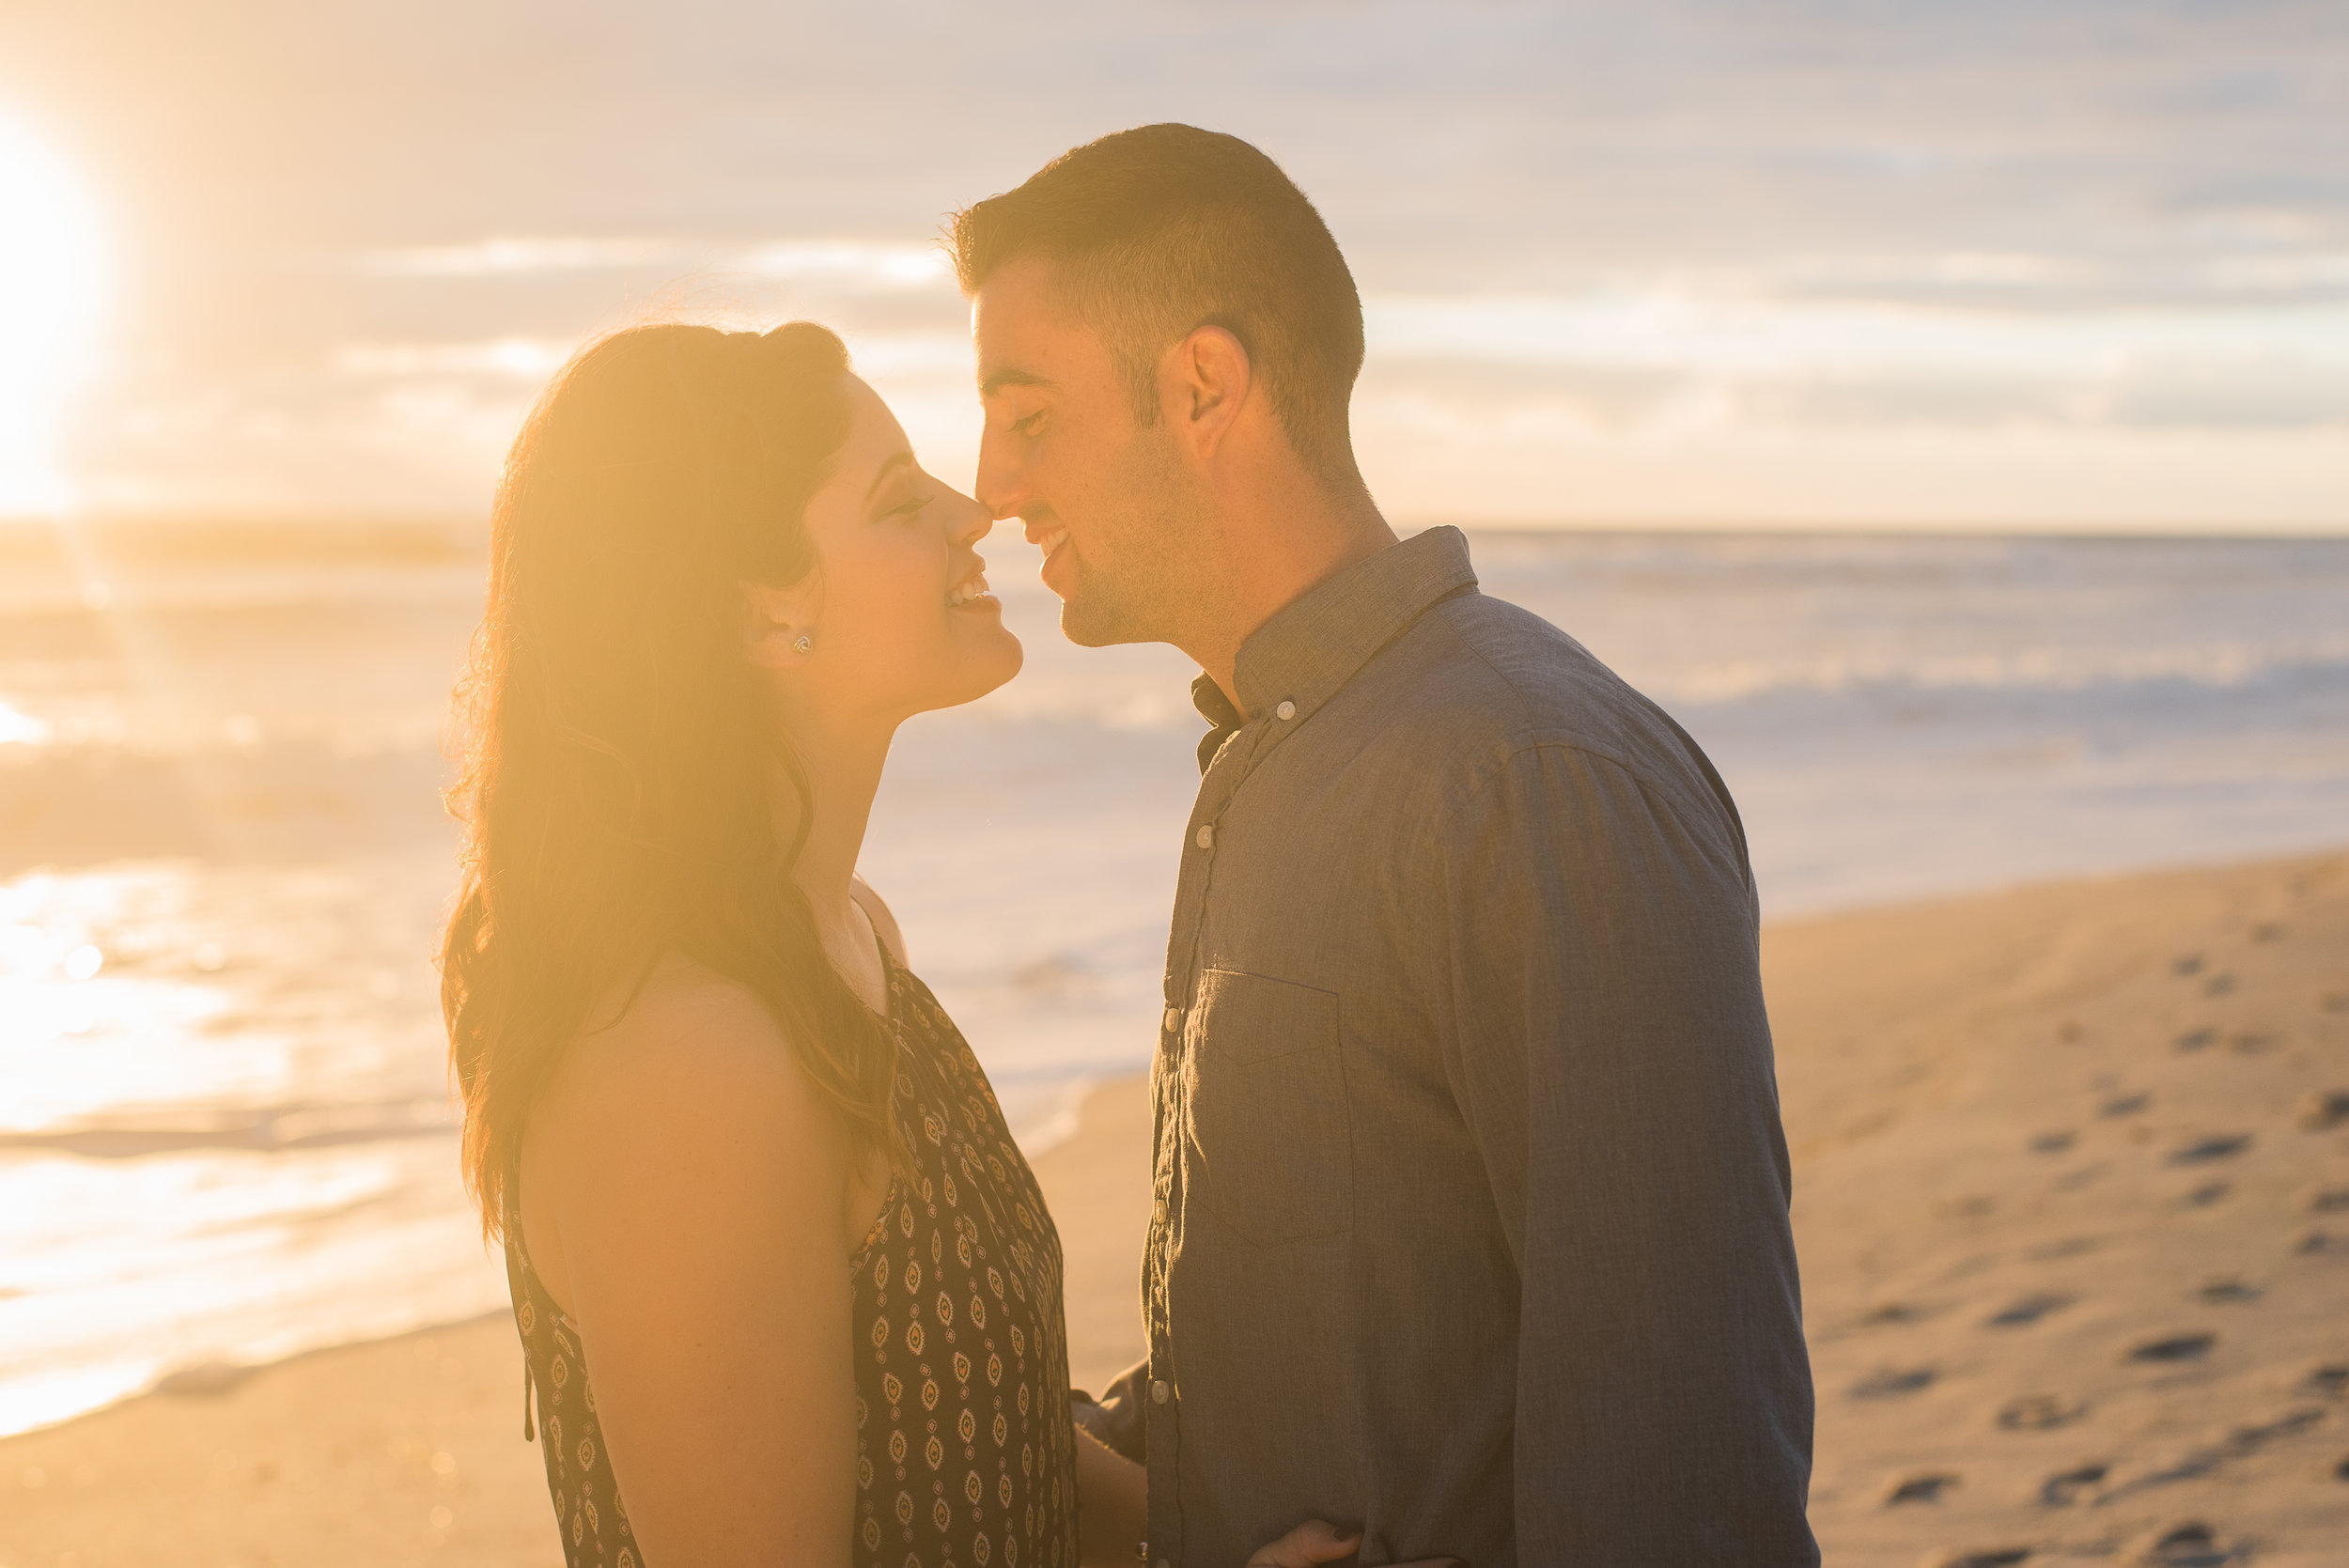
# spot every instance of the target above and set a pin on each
(999, 483)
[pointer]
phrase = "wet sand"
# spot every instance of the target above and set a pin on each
(2072, 1173)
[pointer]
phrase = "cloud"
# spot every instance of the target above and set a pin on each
(499, 258)
(519, 358)
(859, 266)
(1769, 225)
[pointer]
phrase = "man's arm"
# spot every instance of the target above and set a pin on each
(1612, 1058)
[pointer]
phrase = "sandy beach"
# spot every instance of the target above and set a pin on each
(2073, 1202)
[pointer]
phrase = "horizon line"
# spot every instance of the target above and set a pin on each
(2109, 528)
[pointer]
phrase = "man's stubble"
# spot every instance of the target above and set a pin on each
(1149, 585)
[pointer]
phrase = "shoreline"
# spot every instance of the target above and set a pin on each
(1950, 1069)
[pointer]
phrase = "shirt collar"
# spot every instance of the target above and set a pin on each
(1223, 720)
(1312, 646)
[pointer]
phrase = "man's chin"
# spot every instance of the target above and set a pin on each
(1089, 630)
(1093, 619)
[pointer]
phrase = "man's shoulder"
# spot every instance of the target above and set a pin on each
(1479, 685)
(1481, 680)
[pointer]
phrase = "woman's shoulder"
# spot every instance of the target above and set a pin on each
(685, 1053)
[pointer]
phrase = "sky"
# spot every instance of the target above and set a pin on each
(1845, 263)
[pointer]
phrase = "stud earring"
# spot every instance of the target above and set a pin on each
(803, 643)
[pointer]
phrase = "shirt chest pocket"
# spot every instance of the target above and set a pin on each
(1270, 1147)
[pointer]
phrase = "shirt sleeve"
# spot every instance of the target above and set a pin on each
(1610, 1053)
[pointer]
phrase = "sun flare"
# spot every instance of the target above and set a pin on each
(49, 283)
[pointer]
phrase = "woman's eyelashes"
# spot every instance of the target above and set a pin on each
(912, 506)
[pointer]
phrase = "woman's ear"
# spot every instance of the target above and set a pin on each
(779, 624)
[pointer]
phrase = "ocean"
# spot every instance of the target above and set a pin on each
(225, 1133)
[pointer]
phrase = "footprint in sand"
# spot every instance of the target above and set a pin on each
(2323, 1110)
(2191, 1545)
(2202, 1151)
(2330, 1381)
(2219, 985)
(2195, 1039)
(2053, 1143)
(2170, 1349)
(2247, 1043)
(2066, 1487)
(1996, 1557)
(2030, 1309)
(1919, 1488)
(2124, 1105)
(2329, 1200)
(2206, 1194)
(2190, 964)
(2225, 1289)
(1892, 1382)
(1887, 1313)
(2250, 1439)
(204, 1380)
(2197, 1463)
(2039, 1413)
(2340, 1471)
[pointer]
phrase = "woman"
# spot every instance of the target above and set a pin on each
(777, 1263)
(787, 1291)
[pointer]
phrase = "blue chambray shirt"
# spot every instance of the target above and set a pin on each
(1470, 1224)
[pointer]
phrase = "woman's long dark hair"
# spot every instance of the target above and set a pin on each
(616, 783)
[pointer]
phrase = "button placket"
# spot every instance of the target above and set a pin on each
(1225, 774)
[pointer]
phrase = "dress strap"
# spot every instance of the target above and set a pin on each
(512, 1204)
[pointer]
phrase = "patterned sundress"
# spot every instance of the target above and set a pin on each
(965, 1452)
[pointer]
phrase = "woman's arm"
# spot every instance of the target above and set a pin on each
(1112, 1504)
(696, 1190)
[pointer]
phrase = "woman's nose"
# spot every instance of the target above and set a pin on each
(969, 521)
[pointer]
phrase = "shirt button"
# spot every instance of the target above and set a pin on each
(1173, 1019)
(1287, 711)
(1160, 1392)
(1158, 1211)
(1206, 836)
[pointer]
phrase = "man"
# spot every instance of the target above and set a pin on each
(1470, 1227)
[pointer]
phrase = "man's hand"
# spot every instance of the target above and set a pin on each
(1314, 1542)
(1308, 1544)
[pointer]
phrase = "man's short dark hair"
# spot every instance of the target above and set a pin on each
(1154, 232)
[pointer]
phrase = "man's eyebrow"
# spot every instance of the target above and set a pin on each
(902, 457)
(1003, 378)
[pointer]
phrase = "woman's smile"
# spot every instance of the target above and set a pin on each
(973, 592)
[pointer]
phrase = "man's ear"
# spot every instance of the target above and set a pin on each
(1203, 382)
(774, 620)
